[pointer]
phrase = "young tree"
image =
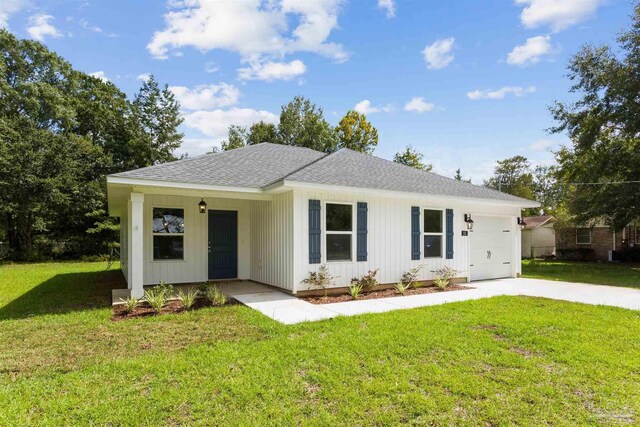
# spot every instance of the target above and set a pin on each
(356, 133)
(158, 116)
(603, 163)
(302, 124)
(411, 157)
(458, 176)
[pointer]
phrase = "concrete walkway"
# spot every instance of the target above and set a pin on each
(288, 309)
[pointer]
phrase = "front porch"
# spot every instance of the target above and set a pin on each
(174, 236)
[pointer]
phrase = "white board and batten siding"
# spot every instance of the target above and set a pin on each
(389, 236)
(272, 241)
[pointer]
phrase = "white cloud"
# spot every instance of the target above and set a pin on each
(365, 107)
(530, 52)
(7, 8)
(40, 27)
(84, 24)
(100, 75)
(418, 105)
(558, 14)
(215, 123)
(541, 145)
(438, 54)
(501, 93)
(270, 71)
(211, 67)
(143, 77)
(259, 31)
(389, 6)
(204, 97)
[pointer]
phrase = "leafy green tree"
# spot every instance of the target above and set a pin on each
(356, 133)
(237, 138)
(512, 176)
(158, 115)
(411, 157)
(602, 166)
(547, 189)
(302, 124)
(262, 132)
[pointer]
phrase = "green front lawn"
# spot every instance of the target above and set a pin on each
(501, 361)
(613, 274)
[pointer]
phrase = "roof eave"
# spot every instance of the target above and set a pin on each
(121, 180)
(287, 183)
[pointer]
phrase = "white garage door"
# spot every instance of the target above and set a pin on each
(491, 243)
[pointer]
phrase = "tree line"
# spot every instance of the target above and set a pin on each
(61, 132)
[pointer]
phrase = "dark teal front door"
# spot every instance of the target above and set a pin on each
(223, 244)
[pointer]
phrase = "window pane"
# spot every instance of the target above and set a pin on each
(339, 217)
(338, 247)
(168, 247)
(432, 221)
(433, 246)
(168, 220)
(584, 235)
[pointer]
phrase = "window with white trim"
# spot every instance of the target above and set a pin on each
(168, 234)
(339, 231)
(583, 236)
(432, 230)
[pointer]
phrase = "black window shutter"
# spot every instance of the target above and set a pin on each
(315, 234)
(362, 231)
(449, 233)
(415, 232)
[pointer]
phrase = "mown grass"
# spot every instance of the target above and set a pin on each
(501, 361)
(612, 274)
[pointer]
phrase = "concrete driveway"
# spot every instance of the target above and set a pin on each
(289, 310)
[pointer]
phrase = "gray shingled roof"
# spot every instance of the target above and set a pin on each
(255, 166)
(353, 169)
(258, 166)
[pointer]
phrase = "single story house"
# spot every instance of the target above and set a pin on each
(272, 213)
(538, 236)
(598, 242)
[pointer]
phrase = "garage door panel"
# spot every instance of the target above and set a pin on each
(491, 248)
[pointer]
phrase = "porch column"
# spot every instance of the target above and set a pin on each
(136, 237)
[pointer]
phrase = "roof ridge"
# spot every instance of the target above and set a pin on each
(432, 173)
(324, 156)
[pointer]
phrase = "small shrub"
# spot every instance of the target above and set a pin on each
(215, 295)
(320, 279)
(443, 276)
(130, 304)
(203, 289)
(402, 288)
(157, 299)
(355, 290)
(441, 283)
(368, 281)
(188, 299)
(166, 289)
(410, 278)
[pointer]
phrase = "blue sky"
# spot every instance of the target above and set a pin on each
(465, 82)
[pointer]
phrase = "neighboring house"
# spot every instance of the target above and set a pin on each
(538, 237)
(597, 242)
(273, 213)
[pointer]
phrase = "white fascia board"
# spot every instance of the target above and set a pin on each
(120, 180)
(404, 194)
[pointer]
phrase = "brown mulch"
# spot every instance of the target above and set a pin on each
(172, 307)
(384, 293)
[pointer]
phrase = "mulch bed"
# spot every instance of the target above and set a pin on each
(173, 306)
(384, 293)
